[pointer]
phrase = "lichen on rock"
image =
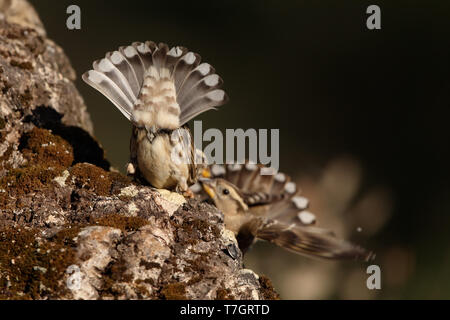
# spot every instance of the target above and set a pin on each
(73, 228)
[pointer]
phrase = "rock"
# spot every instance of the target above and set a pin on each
(21, 12)
(70, 228)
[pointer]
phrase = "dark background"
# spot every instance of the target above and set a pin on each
(332, 87)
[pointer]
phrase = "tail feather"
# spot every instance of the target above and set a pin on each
(183, 67)
(133, 58)
(122, 64)
(249, 179)
(207, 102)
(106, 67)
(120, 77)
(232, 173)
(109, 89)
(173, 56)
(206, 84)
(247, 176)
(160, 56)
(279, 182)
(194, 77)
(145, 53)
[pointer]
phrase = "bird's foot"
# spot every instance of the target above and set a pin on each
(188, 194)
(131, 170)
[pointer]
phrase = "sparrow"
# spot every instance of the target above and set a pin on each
(270, 207)
(159, 90)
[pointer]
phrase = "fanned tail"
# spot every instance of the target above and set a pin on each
(122, 75)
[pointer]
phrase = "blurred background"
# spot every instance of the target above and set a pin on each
(363, 119)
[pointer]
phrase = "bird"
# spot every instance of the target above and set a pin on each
(271, 208)
(159, 90)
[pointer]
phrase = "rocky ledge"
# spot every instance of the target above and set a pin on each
(72, 228)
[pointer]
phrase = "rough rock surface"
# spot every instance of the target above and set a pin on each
(72, 229)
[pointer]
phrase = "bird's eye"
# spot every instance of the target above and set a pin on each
(226, 191)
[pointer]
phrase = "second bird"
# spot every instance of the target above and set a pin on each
(269, 207)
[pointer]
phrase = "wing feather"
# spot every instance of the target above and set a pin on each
(280, 215)
(313, 242)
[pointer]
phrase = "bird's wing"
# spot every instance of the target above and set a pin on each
(310, 241)
(270, 196)
(280, 215)
(183, 146)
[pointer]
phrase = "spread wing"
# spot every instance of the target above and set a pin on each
(282, 216)
(310, 241)
(270, 196)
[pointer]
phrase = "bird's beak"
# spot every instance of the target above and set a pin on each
(208, 186)
(206, 173)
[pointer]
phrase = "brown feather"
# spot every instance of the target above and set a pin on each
(310, 242)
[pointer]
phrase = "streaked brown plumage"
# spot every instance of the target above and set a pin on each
(270, 208)
(159, 90)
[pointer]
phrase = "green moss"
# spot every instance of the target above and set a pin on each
(142, 291)
(199, 265)
(149, 265)
(6, 155)
(97, 180)
(194, 280)
(224, 294)
(19, 182)
(147, 281)
(48, 156)
(114, 272)
(27, 65)
(267, 290)
(196, 228)
(31, 270)
(123, 223)
(25, 98)
(41, 147)
(5, 86)
(118, 182)
(92, 178)
(47, 151)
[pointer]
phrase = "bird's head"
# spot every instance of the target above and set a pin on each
(225, 195)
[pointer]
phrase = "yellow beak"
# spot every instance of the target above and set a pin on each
(209, 190)
(206, 173)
